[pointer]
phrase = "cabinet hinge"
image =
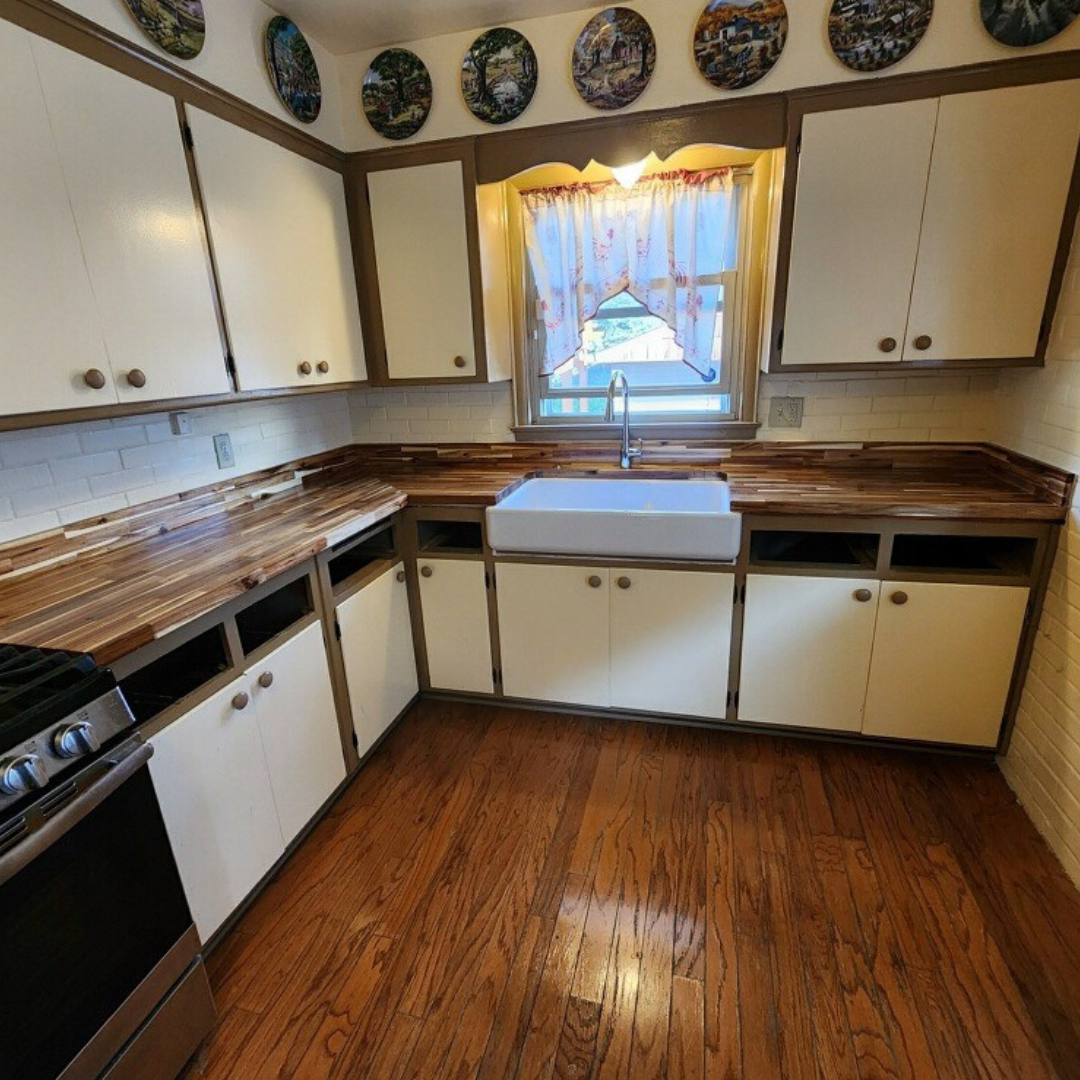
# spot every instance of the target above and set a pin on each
(798, 144)
(355, 741)
(487, 580)
(780, 340)
(189, 138)
(337, 629)
(496, 676)
(230, 370)
(742, 595)
(735, 699)
(730, 698)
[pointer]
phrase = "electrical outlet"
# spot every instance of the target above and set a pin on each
(180, 422)
(786, 412)
(226, 459)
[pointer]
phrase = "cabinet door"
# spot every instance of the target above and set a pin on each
(127, 178)
(943, 662)
(380, 661)
(554, 629)
(281, 236)
(457, 631)
(1003, 164)
(671, 641)
(806, 651)
(422, 254)
(211, 779)
(299, 728)
(51, 333)
(859, 202)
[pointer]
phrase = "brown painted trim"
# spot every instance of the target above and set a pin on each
(55, 23)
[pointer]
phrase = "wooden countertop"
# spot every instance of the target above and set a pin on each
(114, 584)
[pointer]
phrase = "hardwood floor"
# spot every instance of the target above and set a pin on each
(503, 894)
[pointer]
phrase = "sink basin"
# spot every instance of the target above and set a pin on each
(618, 517)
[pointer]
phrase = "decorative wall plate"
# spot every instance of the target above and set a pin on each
(614, 58)
(396, 94)
(1027, 22)
(869, 35)
(737, 42)
(293, 70)
(177, 26)
(499, 76)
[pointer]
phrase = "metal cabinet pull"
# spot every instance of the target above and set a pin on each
(323, 367)
(426, 571)
(899, 598)
(266, 680)
(595, 581)
(136, 378)
(887, 345)
(95, 379)
(401, 575)
(624, 583)
(923, 342)
(304, 368)
(460, 361)
(240, 702)
(864, 596)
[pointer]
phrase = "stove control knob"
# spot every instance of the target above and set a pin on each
(23, 774)
(76, 740)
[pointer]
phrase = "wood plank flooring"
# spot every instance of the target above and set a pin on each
(503, 895)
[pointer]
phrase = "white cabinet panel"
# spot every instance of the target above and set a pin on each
(457, 635)
(380, 661)
(806, 651)
(127, 177)
(51, 332)
(422, 254)
(298, 724)
(554, 629)
(671, 641)
(212, 782)
(1003, 161)
(859, 203)
(281, 237)
(943, 662)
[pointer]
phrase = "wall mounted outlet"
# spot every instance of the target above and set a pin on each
(226, 459)
(180, 422)
(786, 412)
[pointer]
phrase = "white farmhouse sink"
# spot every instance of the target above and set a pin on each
(618, 517)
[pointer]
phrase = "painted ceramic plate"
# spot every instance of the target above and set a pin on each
(178, 26)
(737, 42)
(1027, 22)
(396, 94)
(499, 75)
(614, 58)
(869, 35)
(293, 70)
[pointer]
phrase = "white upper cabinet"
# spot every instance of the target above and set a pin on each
(1003, 162)
(127, 178)
(862, 183)
(51, 332)
(420, 234)
(280, 234)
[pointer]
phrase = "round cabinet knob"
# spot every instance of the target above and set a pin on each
(240, 702)
(887, 345)
(923, 342)
(401, 575)
(76, 740)
(426, 571)
(266, 680)
(136, 378)
(624, 583)
(323, 367)
(864, 596)
(304, 368)
(595, 581)
(460, 362)
(23, 774)
(899, 598)
(95, 379)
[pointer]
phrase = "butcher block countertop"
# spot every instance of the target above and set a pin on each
(114, 584)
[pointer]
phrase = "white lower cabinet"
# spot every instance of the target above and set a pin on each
(380, 661)
(454, 602)
(806, 650)
(943, 661)
(241, 774)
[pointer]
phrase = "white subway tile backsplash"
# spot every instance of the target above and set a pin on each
(456, 414)
(38, 448)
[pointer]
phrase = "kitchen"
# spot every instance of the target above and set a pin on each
(559, 562)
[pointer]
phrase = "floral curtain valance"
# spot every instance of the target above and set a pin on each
(666, 241)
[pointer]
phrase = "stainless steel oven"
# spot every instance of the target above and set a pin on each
(100, 973)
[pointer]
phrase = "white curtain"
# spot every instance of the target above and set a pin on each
(666, 241)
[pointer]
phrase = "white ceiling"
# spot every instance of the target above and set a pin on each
(345, 26)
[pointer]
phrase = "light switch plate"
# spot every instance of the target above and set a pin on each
(786, 412)
(223, 448)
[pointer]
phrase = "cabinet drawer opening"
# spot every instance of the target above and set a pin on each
(799, 549)
(1007, 556)
(355, 558)
(274, 614)
(452, 537)
(171, 678)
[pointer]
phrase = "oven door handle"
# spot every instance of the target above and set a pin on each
(123, 767)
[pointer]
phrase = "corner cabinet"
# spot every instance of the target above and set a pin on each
(431, 250)
(927, 231)
(280, 234)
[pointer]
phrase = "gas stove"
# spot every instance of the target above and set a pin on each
(58, 710)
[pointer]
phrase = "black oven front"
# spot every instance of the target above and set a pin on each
(101, 973)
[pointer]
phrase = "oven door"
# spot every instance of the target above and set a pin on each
(94, 927)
